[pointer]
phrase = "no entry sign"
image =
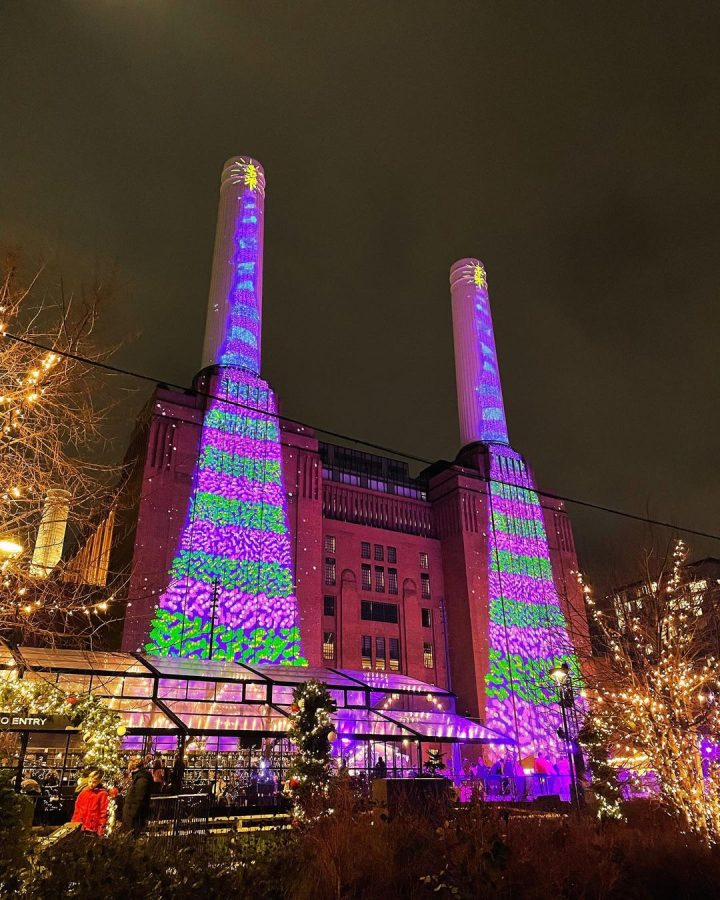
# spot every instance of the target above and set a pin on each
(32, 722)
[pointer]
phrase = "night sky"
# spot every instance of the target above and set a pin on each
(575, 149)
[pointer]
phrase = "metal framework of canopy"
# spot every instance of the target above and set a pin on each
(170, 695)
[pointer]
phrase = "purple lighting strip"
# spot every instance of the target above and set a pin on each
(231, 594)
(528, 632)
(489, 389)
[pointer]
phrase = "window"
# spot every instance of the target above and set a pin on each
(366, 651)
(424, 586)
(392, 581)
(375, 611)
(366, 577)
(394, 647)
(424, 562)
(428, 659)
(380, 662)
(330, 570)
(380, 579)
(392, 555)
(379, 553)
(328, 645)
(329, 543)
(329, 605)
(365, 550)
(426, 616)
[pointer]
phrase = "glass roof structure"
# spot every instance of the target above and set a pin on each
(445, 727)
(171, 695)
(394, 682)
(210, 669)
(81, 660)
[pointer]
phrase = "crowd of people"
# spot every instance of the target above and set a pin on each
(148, 777)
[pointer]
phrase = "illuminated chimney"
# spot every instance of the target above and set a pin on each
(480, 402)
(231, 589)
(233, 327)
(51, 533)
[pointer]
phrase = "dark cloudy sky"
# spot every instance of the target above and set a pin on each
(574, 147)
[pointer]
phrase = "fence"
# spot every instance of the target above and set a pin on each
(178, 815)
(514, 788)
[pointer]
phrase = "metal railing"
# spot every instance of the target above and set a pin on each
(173, 815)
(514, 788)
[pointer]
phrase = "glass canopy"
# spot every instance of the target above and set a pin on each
(157, 694)
(445, 727)
(211, 669)
(394, 682)
(82, 660)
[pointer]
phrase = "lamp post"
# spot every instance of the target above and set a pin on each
(562, 677)
(9, 549)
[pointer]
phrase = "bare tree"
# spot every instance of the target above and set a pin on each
(50, 438)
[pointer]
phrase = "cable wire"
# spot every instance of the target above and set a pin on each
(587, 504)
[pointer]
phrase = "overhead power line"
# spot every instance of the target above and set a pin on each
(587, 504)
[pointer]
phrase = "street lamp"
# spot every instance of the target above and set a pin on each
(9, 549)
(562, 676)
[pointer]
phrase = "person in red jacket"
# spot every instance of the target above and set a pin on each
(91, 806)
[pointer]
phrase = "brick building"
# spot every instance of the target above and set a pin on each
(385, 563)
(460, 576)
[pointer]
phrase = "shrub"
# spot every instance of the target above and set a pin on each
(15, 836)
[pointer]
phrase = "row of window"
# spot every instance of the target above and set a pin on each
(375, 551)
(366, 579)
(383, 659)
(381, 662)
(330, 569)
(375, 484)
(378, 552)
(377, 611)
(387, 652)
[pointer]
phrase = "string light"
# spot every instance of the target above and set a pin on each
(655, 698)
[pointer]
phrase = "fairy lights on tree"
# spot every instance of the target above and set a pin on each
(312, 732)
(50, 421)
(655, 694)
(99, 726)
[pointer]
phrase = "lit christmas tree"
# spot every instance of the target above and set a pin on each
(312, 732)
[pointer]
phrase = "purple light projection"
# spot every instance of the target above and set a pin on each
(231, 594)
(528, 633)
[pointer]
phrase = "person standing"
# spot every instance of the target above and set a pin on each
(91, 806)
(136, 808)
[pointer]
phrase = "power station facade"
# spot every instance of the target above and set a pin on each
(256, 542)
